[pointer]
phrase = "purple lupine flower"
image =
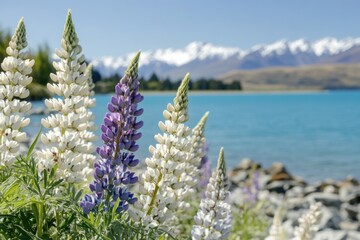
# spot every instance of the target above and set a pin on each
(205, 170)
(252, 190)
(119, 134)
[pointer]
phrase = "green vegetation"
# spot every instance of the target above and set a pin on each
(249, 222)
(154, 83)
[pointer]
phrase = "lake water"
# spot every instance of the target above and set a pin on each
(317, 135)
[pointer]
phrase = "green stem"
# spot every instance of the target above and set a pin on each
(154, 195)
(1, 139)
(58, 221)
(39, 230)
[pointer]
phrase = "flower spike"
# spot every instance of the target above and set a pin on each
(181, 99)
(132, 70)
(308, 223)
(13, 89)
(213, 220)
(119, 134)
(69, 38)
(163, 184)
(19, 38)
(69, 142)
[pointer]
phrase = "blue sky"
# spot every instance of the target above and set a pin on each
(115, 27)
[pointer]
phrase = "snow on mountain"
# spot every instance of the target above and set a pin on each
(278, 48)
(177, 57)
(300, 45)
(331, 46)
(165, 61)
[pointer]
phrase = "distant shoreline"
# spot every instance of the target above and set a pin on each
(230, 92)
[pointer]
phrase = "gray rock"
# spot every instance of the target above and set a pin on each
(350, 211)
(294, 216)
(296, 191)
(277, 168)
(263, 180)
(297, 204)
(277, 187)
(327, 199)
(288, 227)
(245, 164)
(348, 189)
(329, 234)
(353, 199)
(282, 186)
(347, 225)
(309, 189)
(353, 235)
(330, 218)
(329, 189)
(238, 177)
(276, 199)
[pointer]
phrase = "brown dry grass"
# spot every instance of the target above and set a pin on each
(315, 77)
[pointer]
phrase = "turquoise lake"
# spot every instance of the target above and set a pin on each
(316, 135)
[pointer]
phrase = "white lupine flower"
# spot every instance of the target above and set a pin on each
(13, 84)
(197, 148)
(88, 135)
(277, 231)
(69, 142)
(213, 219)
(162, 190)
(191, 180)
(308, 223)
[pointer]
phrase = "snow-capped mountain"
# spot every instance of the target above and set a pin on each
(207, 60)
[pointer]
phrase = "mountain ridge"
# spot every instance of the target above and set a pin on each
(208, 60)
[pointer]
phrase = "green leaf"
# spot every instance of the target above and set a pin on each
(30, 235)
(9, 187)
(32, 146)
(45, 178)
(25, 220)
(78, 195)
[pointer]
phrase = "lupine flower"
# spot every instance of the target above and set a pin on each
(205, 171)
(88, 136)
(68, 143)
(13, 84)
(213, 219)
(193, 174)
(252, 189)
(308, 223)
(197, 148)
(162, 185)
(119, 135)
(277, 231)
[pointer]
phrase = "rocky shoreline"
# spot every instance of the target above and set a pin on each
(340, 220)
